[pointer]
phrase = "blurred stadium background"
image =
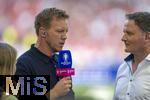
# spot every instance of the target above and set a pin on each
(95, 30)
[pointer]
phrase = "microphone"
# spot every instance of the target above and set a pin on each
(64, 67)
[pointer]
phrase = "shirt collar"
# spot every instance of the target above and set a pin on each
(148, 57)
(39, 54)
(131, 56)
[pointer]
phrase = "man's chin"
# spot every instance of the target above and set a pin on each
(58, 49)
(126, 50)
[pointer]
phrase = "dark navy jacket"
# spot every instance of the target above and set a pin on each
(34, 62)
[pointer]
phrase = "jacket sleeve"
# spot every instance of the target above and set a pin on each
(23, 67)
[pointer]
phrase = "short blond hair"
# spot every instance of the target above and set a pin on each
(44, 18)
(8, 56)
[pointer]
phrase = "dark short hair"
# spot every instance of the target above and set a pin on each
(142, 19)
(44, 18)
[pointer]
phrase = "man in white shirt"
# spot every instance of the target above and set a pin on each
(133, 76)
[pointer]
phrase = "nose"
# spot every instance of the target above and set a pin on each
(124, 38)
(64, 36)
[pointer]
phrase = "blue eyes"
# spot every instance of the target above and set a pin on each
(61, 31)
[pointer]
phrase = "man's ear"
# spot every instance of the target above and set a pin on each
(42, 32)
(147, 36)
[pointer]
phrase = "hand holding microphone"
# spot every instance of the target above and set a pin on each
(62, 87)
(64, 71)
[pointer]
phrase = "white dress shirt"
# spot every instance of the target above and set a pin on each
(133, 86)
